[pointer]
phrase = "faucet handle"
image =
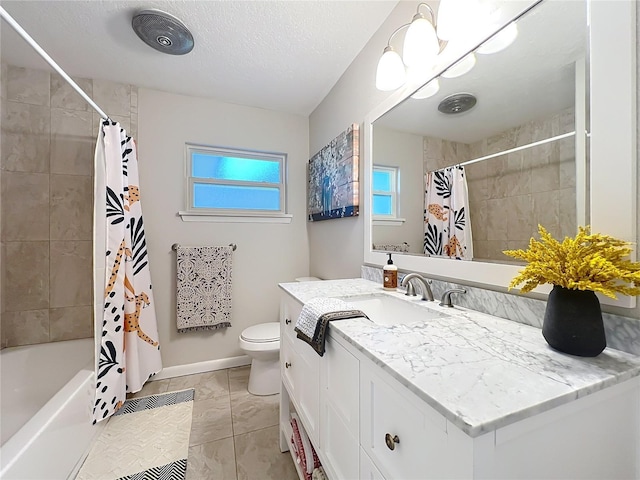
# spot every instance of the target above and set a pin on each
(446, 296)
(411, 290)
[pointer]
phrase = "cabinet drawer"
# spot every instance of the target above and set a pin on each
(416, 433)
(290, 311)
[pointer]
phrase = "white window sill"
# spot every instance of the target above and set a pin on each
(389, 222)
(235, 218)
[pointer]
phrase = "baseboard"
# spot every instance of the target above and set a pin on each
(201, 367)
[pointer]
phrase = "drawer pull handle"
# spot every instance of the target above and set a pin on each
(287, 321)
(391, 441)
(287, 364)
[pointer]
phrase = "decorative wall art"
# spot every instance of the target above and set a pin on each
(333, 178)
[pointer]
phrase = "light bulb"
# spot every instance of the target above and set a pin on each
(500, 40)
(420, 43)
(460, 67)
(429, 90)
(390, 73)
(459, 18)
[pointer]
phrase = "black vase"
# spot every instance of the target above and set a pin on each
(573, 322)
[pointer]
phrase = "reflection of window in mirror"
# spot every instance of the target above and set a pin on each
(385, 192)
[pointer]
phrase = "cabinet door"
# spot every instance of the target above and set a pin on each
(287, 360)
(368, 470)
(305, 370)
(404, 437)
(339, 416)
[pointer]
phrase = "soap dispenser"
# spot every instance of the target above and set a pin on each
(390, 275)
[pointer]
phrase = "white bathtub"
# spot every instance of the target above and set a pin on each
(46, 395)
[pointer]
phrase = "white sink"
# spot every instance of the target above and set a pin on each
(387, 310)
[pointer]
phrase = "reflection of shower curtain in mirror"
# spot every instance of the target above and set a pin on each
(447, 227)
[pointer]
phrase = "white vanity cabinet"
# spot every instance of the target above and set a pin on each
(368, 422)
(299, 366)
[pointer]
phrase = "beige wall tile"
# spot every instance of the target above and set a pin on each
(25, 206)
(496, 171)
(24, 118)
(25, 328)
(546, 211)
(113, 98)
(258, 456)
(4, 73)
(25, 152)
(71, 207)
(478, 219)
(567, 158)
(501, 142)
(64, 96)
(71, 142)
(26, 285)
(497, 211)
(545, 178)
(212, 460)
(26, 85)
(70, 323)
(71, 273)
(520, 218)
(495, 249)
(568, 222)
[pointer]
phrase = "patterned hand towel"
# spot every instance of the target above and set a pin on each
(315, 316)
(204, 288)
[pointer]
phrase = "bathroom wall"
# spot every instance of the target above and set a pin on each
(402, 150)
(336, 245)
(267, 253)
(510, 195)
(47, 139)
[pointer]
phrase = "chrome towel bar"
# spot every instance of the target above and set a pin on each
(175, 246)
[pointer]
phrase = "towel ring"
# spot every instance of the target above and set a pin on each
(175, 246)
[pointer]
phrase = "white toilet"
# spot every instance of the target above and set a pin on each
(262, 343)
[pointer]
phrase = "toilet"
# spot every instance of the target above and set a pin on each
(262, 343)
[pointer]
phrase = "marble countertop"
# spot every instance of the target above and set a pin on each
(481, 372)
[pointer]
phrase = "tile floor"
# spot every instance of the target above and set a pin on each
(234, 435)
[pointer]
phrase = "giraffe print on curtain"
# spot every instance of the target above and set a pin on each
(129, 349)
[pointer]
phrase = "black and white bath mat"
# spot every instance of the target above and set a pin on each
(148, 438)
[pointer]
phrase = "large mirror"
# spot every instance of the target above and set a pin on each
(532, 91)
(544, 143)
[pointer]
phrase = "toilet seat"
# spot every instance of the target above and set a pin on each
(262, 333)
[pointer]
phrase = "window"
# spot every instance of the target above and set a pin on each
(385, 193)
(231, 182)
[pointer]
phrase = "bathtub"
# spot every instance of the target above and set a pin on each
(46, 394)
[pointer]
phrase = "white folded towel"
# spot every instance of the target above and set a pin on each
(314, 309)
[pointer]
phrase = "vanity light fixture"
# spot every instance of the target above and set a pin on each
(420, 48)
(500, 41)
(391, 73)
(429, 90)
(461, 67)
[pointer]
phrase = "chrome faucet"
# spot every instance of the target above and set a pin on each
(446, 296)
(427, 294)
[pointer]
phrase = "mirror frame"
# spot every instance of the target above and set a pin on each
(612, 146)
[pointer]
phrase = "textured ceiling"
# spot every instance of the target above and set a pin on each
(278, 55)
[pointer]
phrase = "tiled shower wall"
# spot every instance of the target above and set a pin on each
(510, 194)
(48, 139)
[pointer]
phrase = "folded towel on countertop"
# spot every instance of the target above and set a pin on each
(315, 316)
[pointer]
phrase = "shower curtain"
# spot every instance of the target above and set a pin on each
(447, 228)
(124, 311)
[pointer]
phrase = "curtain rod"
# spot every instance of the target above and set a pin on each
(516, 149)
(21, 31)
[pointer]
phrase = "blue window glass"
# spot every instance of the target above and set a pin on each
(382, 181)
(382, 205)
(208, 195)
(233, 168)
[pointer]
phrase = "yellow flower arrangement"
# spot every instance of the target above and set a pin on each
(587, 262)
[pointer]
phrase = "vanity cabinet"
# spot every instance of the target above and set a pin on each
(365, 424)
